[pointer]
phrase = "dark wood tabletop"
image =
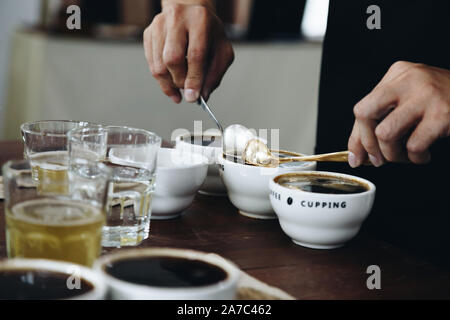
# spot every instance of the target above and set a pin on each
(260, 248)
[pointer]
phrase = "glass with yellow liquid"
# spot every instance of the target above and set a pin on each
(56, 225)
(45, 145)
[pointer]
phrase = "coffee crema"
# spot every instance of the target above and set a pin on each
(168, 272)
(318, 183)
(28, 284)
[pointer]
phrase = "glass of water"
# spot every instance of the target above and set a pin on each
(132, 155)
(45, 146)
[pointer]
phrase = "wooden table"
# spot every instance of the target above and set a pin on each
(262, 249)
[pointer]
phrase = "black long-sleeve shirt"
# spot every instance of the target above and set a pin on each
(412, 205)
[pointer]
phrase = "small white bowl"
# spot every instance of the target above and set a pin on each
(213, 185)
(123, 290)
(70, 269)
(321, 220)
(248, 186)
(179, 175)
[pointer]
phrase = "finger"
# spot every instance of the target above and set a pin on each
(222, 59)
(174, 55)
(160, 71)
(377, 104)
(370, 142)
(357, 154)
(196, 60)
(420, 141)
(147, 41)
(391, 132)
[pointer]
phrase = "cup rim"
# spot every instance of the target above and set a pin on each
(179, 139)
(370, 186)
(24, 127)
(99, 286)
(231, 269)
(202, 163)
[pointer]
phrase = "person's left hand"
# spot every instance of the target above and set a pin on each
(402, 117)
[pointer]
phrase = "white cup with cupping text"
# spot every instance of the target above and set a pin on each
(318, 218)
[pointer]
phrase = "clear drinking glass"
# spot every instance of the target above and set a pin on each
(52, 225)
(45, 145)
(132, 154)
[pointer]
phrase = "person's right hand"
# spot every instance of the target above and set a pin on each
(186, 48)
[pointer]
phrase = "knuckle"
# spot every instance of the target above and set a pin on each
(157, 21)
(383, 132)
(415, 147)
(173, 58)
(360, 111)
(401, 64)
(167, 90)
(398, 65)
(147, 34)
(173, 10)
(159, 71)
(370, 145)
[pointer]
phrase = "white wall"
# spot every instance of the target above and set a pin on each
(13, 14)
(270, 86)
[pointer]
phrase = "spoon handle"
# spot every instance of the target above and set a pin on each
(202, 103)
(341, 156)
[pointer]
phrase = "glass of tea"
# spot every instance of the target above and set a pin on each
(45, 145)
(57, 226)
(131, 154)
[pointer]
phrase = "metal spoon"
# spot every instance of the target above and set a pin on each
(201, 102)
(257, 153)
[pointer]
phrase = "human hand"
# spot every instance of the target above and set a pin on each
(186, 48)
(402, 117)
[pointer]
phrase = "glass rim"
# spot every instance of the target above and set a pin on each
(7, 166)
(75, 133)
(25, 127)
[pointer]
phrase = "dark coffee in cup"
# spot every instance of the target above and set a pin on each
(322, 183)
(38, 284)
(168, 272)
(204, 141)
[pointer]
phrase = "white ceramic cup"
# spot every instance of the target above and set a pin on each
(179, 175)
(321, 220)
(213, 184)
(248, 186)
(122, 290)
(70, 269)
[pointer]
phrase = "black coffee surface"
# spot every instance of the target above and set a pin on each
(323, 184)
(34, 284)
(166, 272)
(205, 141)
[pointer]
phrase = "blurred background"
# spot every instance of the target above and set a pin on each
(99, 73)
